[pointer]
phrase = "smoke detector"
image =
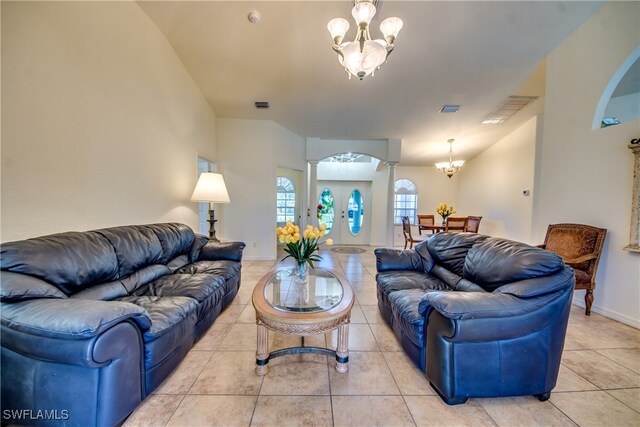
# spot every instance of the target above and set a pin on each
(254, 16)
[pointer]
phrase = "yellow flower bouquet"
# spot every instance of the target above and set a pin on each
(445, 211)
(302, 248)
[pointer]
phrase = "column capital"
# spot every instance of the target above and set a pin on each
(391, 163)
(313, 162)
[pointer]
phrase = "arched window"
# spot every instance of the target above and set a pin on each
(405, 202)
(285, 201)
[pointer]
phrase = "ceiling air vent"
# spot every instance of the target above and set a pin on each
(507, 109)
(262, 105)
(449, 108)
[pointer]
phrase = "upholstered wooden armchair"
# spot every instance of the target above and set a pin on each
(580, 246)
(409, 240)
(456, 224)
(425, 220)
(473, 223)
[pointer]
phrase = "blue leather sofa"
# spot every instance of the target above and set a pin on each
(92, 322)
(480, 316)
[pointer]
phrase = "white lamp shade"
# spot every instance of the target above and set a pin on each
(363, 63)
(338, 28)
(390, 27)
(210, 188)
(363, 12)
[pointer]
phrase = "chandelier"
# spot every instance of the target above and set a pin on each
(363, 56)
(450, 167)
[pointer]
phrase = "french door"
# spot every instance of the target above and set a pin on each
(346, 210)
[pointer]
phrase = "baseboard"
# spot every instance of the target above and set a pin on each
(622, 318)
(257, 258)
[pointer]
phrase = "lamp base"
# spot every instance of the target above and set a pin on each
(212, 226)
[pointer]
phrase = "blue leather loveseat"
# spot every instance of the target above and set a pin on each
(481, 316)
(92, 322)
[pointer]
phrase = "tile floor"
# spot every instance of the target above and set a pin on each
(215, 385)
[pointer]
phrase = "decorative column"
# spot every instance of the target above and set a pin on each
(634, 235)
(390, 200)
(313, 192)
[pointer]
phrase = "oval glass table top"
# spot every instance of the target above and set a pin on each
(320, 292)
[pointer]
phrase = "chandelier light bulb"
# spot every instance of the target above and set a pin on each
(338, 28)
(363, 13)
(390, 28)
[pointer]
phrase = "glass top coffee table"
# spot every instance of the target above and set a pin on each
(287, 305)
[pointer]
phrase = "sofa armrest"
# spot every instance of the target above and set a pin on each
(396, 259)
(214, 251)
(70, 318)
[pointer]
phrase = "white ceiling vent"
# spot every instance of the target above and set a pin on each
(507, 109)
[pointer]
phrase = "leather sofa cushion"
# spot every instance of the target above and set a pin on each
(226, 269)
(164, 312)
(404, 307)
(136, 247)
(198, 286)
(175, 239)
(450, 250)
(172, 325)
(391, 281)
(178, 262)
(20, 287)
(143, 276)
(495, 262)
(103, 292)
(70, 261)
(446, 276)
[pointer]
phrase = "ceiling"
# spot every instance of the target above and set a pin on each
(474, 54)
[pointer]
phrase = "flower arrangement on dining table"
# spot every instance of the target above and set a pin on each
(445, 211)
(302, 248)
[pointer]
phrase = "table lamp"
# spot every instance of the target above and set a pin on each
(211, 188)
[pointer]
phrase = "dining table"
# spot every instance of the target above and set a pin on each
(435, 228)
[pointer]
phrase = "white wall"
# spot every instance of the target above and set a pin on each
(492, 183)
(433, 187)
(101, 123)
(249, 153)
(586, 175)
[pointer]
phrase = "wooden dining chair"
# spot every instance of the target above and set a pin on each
(473, 224)
(406, 231)
(425, 220)
(456, 224)
(580, 247)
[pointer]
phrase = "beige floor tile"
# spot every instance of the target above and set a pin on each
(154, 411)
(366, 297)
(370, 411)
(230, 313)
(385, 338)
(409, 378)
(229, 372)
(213, 337)
(595, 408)
(628, 396)
(183, 377)
(368, 375)
(627, 357)
(601, 335)
(244, 294)
(570, 381)
(357, 316)
(360, 338)
(248, 315)
(241, 336)
(224, 411)
(524, 411)
(599, 370)
(373, 315)
(301, 374)
(292, 411)
(432, 411)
